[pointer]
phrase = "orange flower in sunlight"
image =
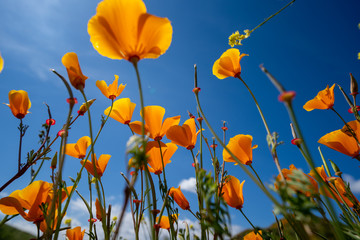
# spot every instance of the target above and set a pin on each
(228, 65)
(253, 236)
(323, 100)
(154, 156)
(342, 140)
(83, 108)
(100, 164)
(19, 103)
(338, 183)
(78, 149)
(184, 135)
(179, 198)
(164, 221)
(240, 146)
(122, 110)
(113, 90)
(75, 233)
(71, 62)
(121, 29)
(308, 187)
(1, 63)
(29, 202)
(154, 124)
(232, 192)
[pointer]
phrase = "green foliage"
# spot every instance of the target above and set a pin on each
(214, 217)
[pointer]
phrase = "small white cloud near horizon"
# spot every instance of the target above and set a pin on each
(188, 185)
(354, 183)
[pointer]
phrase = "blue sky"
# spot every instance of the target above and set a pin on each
(309, 45)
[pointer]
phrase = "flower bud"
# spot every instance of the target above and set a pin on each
(353, 86)
(83, 107)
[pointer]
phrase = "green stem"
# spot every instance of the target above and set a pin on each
(267, 19)
(256, 230)
(21, 127)
(256, 174)
(306, 153)
(271, 144)
(172, 230)
(96, 175)
(267, 193)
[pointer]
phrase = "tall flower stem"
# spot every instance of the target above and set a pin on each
(134, 61)
(199, 193)
(57, 188)
(103, 213)
(306, 153)
(256, 181)
(252, 168)
(256, 230)
(20, 144)
(273, 15)
(270, 138)
(172, 230)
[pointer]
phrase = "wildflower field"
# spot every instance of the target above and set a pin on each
(132, 119)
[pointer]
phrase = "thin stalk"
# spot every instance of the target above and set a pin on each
(306, 153)
(200, 195)
(272, 147)
(256, 230)
(103, 214)
(252, 168)
(21, 127)
(166, 187)
(267, 193)
(325, 163)
(267, 19)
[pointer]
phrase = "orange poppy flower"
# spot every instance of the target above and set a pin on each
(31, 198)
(113, 90)
(240, 146)
(71, 62)
(253, 236)
(154, 157)
(83, 108)
(1, 63)
(75, 233)
(342, 141)
(19, 103)
(311, 187)
(179, 198)
(335, 182)
(323, 100)
(100, 164)
(122, 110)
(121, 29)
(228, 65)
(154, 124)
(184, 135)
(78, 149)
(232, 192)
(164, 221)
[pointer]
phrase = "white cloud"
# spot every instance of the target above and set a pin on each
(188, 185)
(354, 183)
